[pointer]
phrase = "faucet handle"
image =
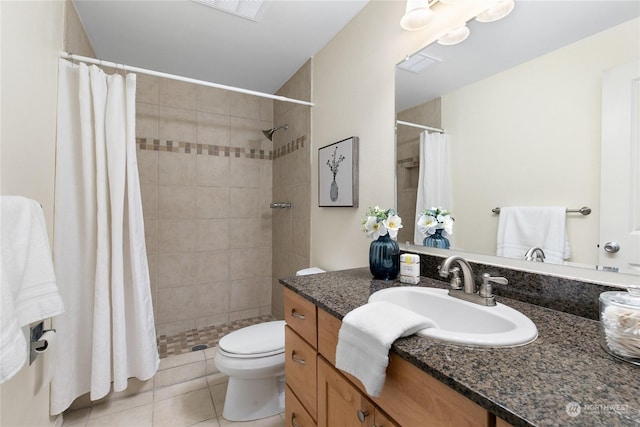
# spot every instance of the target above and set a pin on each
(486, 278)
(456, 281)
(485, 288)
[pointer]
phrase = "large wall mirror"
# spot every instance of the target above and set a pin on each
(521, 100)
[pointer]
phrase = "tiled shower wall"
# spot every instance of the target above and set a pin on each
(291, 183)
(205, 173)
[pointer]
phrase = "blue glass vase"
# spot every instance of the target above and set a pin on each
(384, 258)
(436, 240)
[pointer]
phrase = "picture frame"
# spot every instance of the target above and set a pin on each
(338, 174)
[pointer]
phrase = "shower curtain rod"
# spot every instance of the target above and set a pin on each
(117, 66)
(414, 125)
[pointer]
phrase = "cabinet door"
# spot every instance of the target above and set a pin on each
(340, 404)
(382, 420)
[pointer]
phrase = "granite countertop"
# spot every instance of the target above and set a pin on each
(530, 385)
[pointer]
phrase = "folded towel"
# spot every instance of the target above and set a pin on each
(365, 337)
(521, 228)
(28, 291)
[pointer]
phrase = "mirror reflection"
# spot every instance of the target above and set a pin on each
(521, 102)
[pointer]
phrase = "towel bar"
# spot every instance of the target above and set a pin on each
(583, 210)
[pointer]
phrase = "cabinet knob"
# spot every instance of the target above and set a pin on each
(362, 415)
(297, 315)
(297, 359)
(293, 420)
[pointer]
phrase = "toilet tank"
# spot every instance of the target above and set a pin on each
(310, 270)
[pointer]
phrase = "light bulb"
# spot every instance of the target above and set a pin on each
(455, 36)
(416, 16)
(498, 10)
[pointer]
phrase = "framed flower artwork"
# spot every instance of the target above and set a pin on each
(338, 174)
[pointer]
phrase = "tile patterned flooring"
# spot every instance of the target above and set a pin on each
(187, 390)
(183, 343)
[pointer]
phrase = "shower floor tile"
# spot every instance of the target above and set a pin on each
(172, 345)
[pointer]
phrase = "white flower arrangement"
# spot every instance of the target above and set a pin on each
(378, 222)
(434, 219)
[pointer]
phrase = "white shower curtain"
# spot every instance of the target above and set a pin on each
(434, 182)
(107, 333)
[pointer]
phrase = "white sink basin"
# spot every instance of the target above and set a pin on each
(462, 322)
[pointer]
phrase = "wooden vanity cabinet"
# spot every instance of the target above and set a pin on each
(319, 395)
(409, 396)
(300, 345)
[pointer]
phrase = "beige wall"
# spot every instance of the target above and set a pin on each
(291, 181)
(32, 35)
(544, 146)
(206, 189)
(354, 95)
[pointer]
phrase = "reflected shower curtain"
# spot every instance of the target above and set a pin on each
(434, 182)
(108, 332)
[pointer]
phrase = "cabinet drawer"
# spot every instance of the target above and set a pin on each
(300, 370)
(295, 414)
(300, 315)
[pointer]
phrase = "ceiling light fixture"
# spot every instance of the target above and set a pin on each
(455, 36)
(418, 12)
(498, 10)
(416, 15)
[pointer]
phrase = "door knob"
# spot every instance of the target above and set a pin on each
(612, 247)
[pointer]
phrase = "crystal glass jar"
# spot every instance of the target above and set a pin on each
(620, 324)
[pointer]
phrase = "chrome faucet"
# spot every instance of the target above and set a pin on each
(484, 296)
(534, 254)
(467, 272)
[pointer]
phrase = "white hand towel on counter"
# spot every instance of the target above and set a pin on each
(521, 228)
(365, 337)
(28, 291)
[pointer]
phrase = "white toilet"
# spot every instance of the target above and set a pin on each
(253, 359)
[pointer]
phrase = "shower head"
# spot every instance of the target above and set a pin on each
(269, 133)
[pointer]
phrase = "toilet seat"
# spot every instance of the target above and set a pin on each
(253, 342)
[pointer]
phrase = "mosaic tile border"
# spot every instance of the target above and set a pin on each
(409, 162)
(183, 342)
(154, 144)
(182, 147)
(290, 147)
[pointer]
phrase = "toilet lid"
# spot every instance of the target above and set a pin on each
(255, 340)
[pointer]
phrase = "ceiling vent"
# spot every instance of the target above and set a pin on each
(248, 9)
(419, 62)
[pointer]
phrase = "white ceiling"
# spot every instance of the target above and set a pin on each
(535, 27)
(190, 39)
(187, 38)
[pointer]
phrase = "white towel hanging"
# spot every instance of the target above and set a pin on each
(521, 228)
